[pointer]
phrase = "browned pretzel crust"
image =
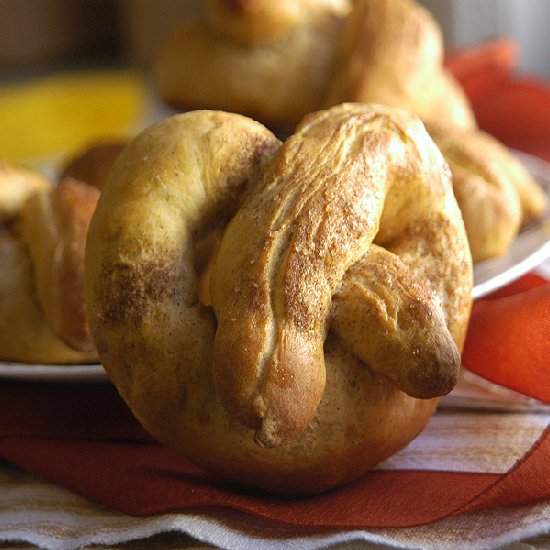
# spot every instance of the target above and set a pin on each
(496, 193)
(42, 313)
(54, 226)
(346, 176)
(324, 352)
(391, 52)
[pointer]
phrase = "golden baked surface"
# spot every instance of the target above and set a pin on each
(42, 314)
(391, 52)
(496, 193)
(211, 64)
(339, 278)
(278, 61)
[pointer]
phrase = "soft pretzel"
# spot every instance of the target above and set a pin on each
(276, 385)
(256, 22)
(391, 52)
(42, 314)
(17, 182)
(496, 193)
(207, 64)
(278, 61)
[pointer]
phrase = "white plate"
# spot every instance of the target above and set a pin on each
(530, 249)
(53, 373)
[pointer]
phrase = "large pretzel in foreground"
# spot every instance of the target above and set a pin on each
(323, 351)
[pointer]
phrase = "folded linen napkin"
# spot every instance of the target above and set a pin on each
(84, 438)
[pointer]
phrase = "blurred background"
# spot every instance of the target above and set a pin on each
(36, 35)
(467, 22)
(96, 55)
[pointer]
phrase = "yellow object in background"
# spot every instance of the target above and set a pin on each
(57, 115)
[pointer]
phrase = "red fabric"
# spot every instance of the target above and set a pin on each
(83, 436)
(513, 107)
(469, 64)
(508, 339)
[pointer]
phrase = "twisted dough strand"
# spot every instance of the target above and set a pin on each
(168, 189)
(54, 226)
(346, 175)
(393, 321)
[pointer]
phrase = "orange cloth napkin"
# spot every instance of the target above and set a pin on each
(514, 107)
(84, 438)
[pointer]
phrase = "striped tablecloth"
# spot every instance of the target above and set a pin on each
(457, 440)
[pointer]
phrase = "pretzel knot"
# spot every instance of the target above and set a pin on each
(340, 280)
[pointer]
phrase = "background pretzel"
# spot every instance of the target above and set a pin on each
(496, 193)
(278, 76)
(253, 23)
(17, 183)
(391, 52)
(303, 219)
(278, 61)
(42, 316)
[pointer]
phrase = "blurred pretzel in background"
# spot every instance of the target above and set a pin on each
(278, 61)
(42, 245)
(496, 193)
(268, 60)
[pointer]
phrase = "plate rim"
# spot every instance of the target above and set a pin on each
(93, 372)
